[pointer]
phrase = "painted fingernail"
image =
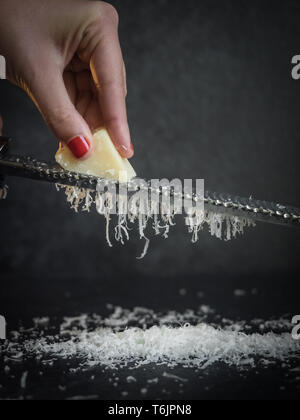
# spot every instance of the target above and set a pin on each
(79, 146)
(131, 147)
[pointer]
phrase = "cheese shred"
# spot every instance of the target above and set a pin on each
(140, 211)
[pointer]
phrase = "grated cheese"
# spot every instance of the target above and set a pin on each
(139, 210)
(140, 337)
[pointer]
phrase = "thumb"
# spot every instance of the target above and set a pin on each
(51, 97)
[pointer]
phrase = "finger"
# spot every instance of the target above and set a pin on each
(125, 79)
(107, 67)
(50, 94)
(70, 84)
(92, 115)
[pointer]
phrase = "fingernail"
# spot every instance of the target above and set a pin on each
(79, 146)
(123, 148)
(131, 151)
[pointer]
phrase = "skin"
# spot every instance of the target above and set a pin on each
(66, 55)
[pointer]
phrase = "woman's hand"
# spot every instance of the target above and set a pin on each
(66, 55)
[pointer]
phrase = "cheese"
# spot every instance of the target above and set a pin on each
(105, 161)
(136, 338)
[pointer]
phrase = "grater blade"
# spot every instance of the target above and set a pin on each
(257, 210)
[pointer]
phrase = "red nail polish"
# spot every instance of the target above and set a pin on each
(131, 147)
(79, 146)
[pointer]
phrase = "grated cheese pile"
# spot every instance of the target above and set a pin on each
(222, 226)
(141, 337)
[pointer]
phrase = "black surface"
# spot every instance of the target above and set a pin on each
(216, 382)
(219, 382)
(210, 96)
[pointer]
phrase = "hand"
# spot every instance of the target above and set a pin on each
(66, 55)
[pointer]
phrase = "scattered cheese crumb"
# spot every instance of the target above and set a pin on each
(23, 381)
(171, 376)
(131, 379)
(153, 381)
(240, 293)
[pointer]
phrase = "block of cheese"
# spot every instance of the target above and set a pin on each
(105, 161)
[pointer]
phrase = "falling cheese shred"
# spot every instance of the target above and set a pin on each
(222, 226)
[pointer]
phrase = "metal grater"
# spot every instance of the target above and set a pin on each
(261, 211)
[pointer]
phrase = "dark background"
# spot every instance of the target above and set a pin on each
(210, 96)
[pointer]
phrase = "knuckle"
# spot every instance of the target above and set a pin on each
(102, 22)
(114, 87)
(59, 118)
(109, 13)
(115, 122)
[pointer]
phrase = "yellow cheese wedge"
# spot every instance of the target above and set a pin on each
(105, 161)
